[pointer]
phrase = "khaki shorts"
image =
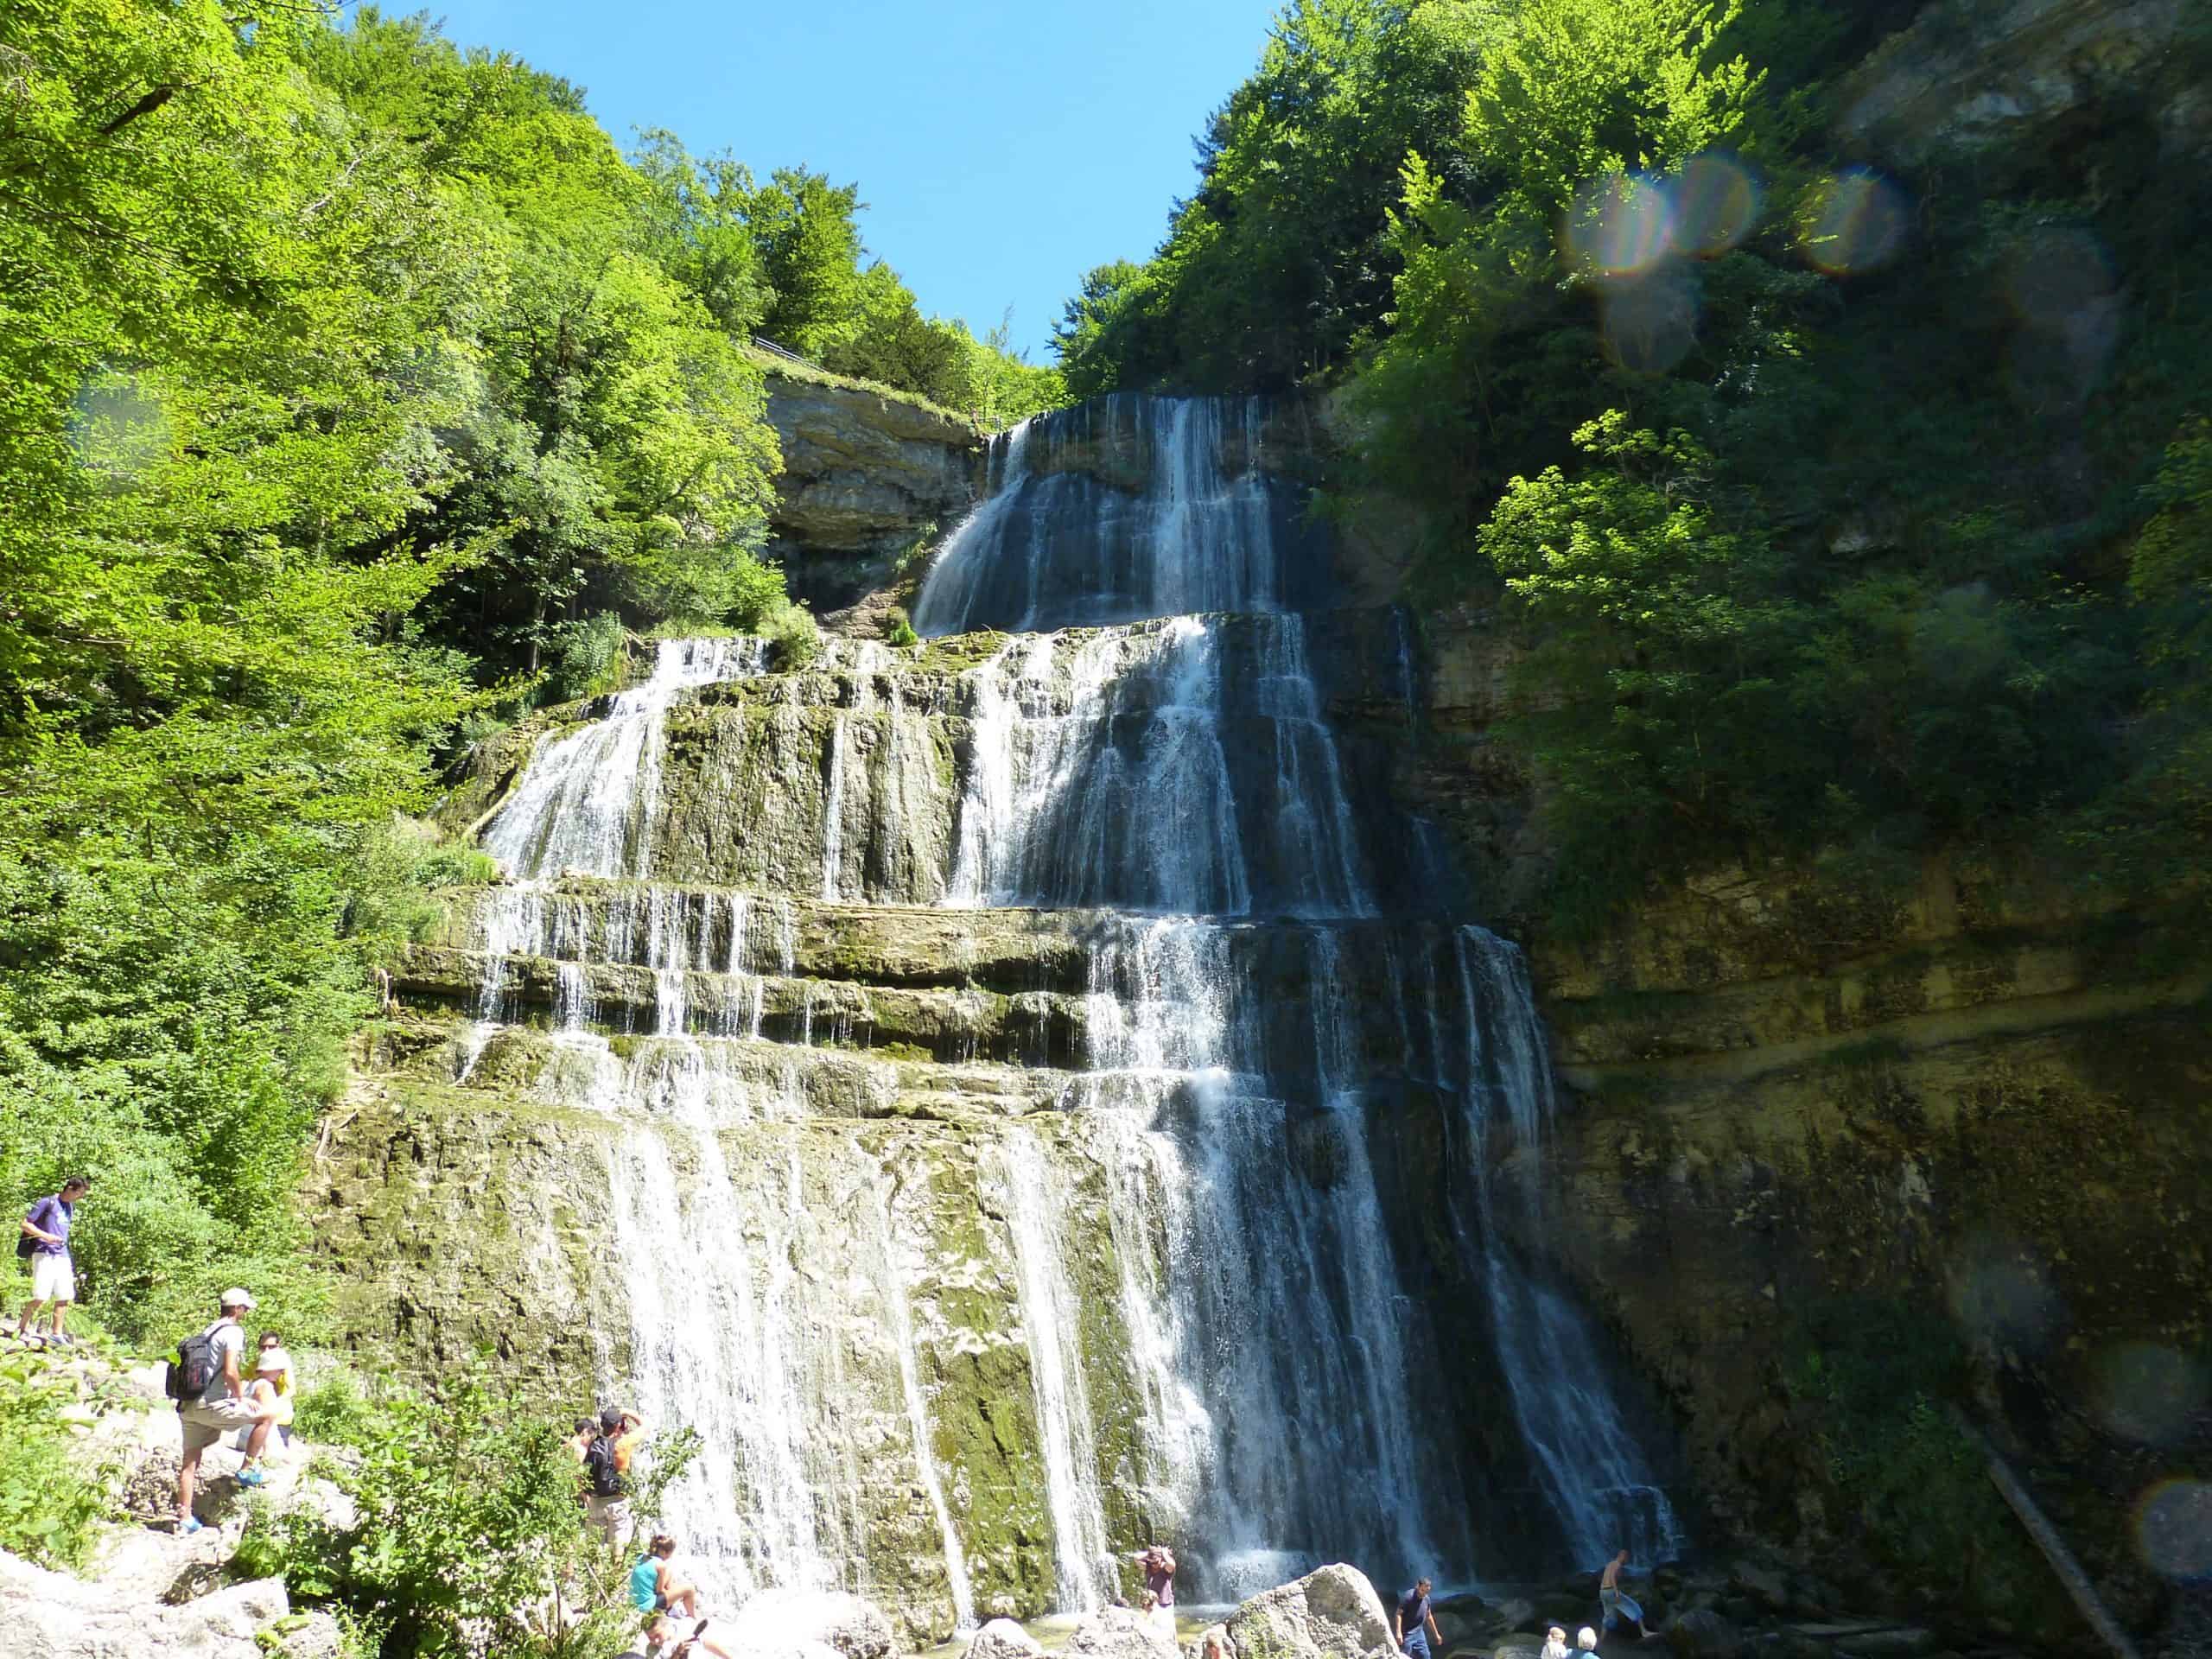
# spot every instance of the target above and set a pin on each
(612, 1516)
(204, 1424)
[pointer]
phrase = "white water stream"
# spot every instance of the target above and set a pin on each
(1163, 759)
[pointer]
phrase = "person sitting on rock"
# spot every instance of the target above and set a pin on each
(274, 1366)
(1555, 1642)
(1585, 1644)
(1619, 1605)
(654, 1587)
(1414, 1623)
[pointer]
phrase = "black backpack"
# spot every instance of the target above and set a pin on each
(605, 1473)
(196, 1365)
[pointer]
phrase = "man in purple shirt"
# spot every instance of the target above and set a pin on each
(53, 1277)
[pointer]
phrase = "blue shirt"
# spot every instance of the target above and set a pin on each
(645, 1585)
(1412, 1618)
(52, 1214)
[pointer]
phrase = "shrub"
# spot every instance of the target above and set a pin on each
(793, 636)
(468, 1531)
(51, 1502)
(588, 658)
(899, 628)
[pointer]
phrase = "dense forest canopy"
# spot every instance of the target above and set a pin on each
(355, 389)
(1842, 512)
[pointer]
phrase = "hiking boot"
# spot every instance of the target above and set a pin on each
(250, 1477)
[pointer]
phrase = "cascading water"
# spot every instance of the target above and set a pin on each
(1181, 766)
(1222, 1333)
(586, 801)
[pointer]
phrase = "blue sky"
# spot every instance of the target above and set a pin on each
(1003, 149)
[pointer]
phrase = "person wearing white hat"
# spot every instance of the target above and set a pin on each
(213, 1401)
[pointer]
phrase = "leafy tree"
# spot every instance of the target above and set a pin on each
(467, 1534)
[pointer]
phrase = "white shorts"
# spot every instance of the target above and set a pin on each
(53, 1278)
(612, 1516)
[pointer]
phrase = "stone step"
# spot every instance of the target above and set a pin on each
(1026, 1028)
(729, 1080)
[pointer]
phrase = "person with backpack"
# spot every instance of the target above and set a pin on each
(606, 1471)
(44, 1243)
(209, 1389)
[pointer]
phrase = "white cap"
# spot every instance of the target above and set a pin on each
(273, 1359)
(236, 1299)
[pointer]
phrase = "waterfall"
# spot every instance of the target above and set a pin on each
(1600, 1480)
(586, 801)
(1176, 764)
(1144, 1152)
(1083, 1561)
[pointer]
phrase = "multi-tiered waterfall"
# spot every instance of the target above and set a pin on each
(1007, 1125)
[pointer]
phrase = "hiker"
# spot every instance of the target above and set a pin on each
(1619, 1605)
(1585, 1644)
(607, 1466)
(581, 1432)
(45, 1240)
(274, 1366)
(1555, 1642)
(654, 1587)
(1159, 1563)
(1414, 1623)
(664, 1641)
(211, 1401)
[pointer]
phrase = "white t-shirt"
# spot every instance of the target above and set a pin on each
(229, 1338)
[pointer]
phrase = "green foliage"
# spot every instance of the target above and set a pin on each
(52, 1501)
(793, 636)
(899, 628)
(589, 657)
(1875, 1379)
(468, 1526)
(1812, 531)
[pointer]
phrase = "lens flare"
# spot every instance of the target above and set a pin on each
(118, 427)
(1859, 226)
(1620, 224)
(1650, 322)
(1999, 1295)
(1715, 205)
(2147, 1393)
(2173, 1528)
(2054, 273)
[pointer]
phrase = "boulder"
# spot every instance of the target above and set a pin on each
(1762, 1584)
(1702, 1634)
(1119, 1633)
(51, 1615)
(1003, 1639)
(799, 1621)
(1515, 1613)
(1334, 1611)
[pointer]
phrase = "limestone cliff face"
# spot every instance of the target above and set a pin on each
(1964, 1093)
(2006, 87)
(1975, 1101)
(864, 476)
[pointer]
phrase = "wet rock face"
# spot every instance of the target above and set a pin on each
(863, 477)
(1961, 1098)
(2007, 86)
